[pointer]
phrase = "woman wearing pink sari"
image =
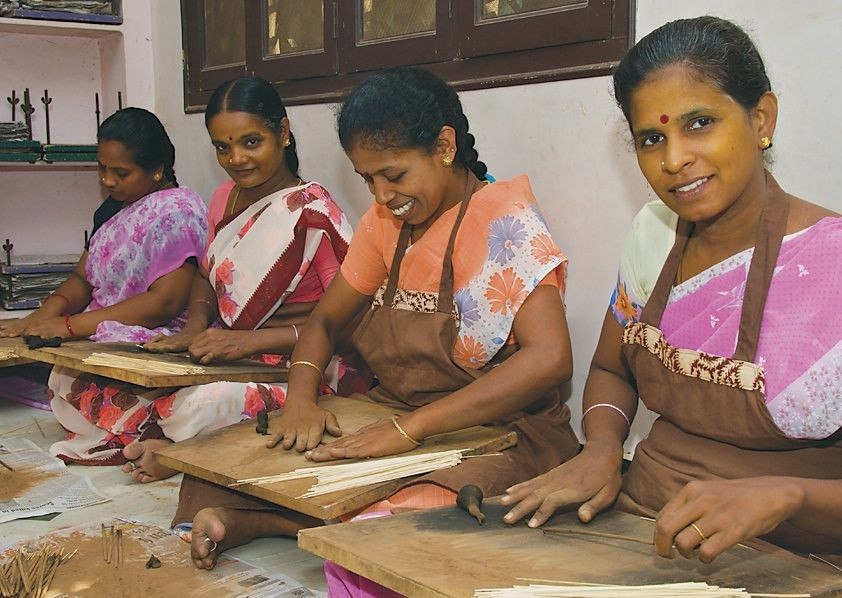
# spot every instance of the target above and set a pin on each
(724, 321)
(132, 282)
(274, 244)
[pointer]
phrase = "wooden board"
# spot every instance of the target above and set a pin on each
(72, 354)
(238, 452)
(444, 552)
(12, 344)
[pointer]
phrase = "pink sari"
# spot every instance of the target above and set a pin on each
(800, 345)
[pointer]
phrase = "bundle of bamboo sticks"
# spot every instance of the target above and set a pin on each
(29, 574)
(112, 545)
(565, 589)
(343, 476)
(146, 365)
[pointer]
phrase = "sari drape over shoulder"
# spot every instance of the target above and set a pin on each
(144, 241)
(258, 257)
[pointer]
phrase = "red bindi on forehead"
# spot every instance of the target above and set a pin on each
(664, 119)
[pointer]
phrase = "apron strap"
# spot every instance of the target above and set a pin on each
(767, 247)
(400, 251)
(445, 300)
(654, 308)
(770, 234)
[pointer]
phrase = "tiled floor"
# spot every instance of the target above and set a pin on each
(149, 503)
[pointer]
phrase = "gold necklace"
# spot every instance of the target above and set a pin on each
(234, 203)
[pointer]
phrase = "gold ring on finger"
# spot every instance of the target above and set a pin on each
(698, 531)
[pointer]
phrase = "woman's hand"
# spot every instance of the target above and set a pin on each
(302, 424)
(591, 478)
(49, 328)
(16, 327)
(379, 439)
(216, 344)
(176, 343)
(718, 514)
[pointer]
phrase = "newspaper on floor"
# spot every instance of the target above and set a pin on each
(86, 574)
(34, 483)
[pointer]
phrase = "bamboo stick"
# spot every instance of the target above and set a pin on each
(582, 532)
(24, 577)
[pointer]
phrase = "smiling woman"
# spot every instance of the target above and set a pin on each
(274, 244)
(724, 322)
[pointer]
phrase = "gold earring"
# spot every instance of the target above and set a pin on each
(287, 142)
(765, 143)
(447, 161)
(157, 177)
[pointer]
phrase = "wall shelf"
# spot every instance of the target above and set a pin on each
(63, 28)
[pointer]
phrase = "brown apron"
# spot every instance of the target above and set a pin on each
(716, 429)
(411, 352)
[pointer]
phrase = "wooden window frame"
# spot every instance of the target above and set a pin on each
(551, 46)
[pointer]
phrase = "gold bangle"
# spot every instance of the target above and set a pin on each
(403, 432)
(310, 363)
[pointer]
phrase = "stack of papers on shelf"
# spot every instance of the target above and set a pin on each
(29, 278)
(77, 6)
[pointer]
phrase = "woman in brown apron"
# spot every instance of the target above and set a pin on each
(736, 452)
(460, 284)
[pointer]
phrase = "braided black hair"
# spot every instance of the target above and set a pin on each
(257, 97)
(406, 107)
(144, 137)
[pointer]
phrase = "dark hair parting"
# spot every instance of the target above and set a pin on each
(144, 136)
(717, 50)
(406, 107)
(257, 97)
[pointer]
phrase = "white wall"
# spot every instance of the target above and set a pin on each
(571, 140)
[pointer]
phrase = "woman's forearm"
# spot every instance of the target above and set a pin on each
(315, 346)
(202, 306)
(145, 309)
(71, 297)
(279, 339)
(821, 506)
(603, 424)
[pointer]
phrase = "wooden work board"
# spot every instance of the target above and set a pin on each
(445, 552)
(73, 353)
(238, 452)
(13, 345)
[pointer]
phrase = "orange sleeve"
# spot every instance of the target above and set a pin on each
(557, 278)
(364, 266)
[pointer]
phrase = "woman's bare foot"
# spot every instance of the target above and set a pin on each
(218, 529)
(142, 464)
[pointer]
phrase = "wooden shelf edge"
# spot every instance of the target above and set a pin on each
(64, 28)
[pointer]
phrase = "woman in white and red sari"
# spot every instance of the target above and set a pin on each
(274, 244)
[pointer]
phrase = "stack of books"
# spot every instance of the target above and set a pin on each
(29, 279)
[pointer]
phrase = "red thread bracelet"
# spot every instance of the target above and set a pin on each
(68, 326)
